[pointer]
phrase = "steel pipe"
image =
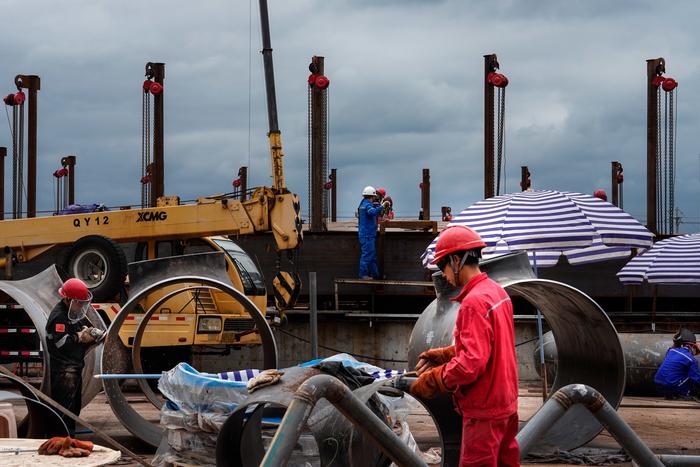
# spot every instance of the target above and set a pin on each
(677, 460)
(644, 354)
(338, 442)
(590, 350)
(579, 395)
(338, 394)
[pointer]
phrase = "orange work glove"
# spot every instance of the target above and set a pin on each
(429, 384)
(51, 446)
(74, 452)
(66, 447)
(434, 357)
(87, 445)
(54, 445)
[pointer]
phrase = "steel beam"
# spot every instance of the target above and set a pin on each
(157, 71)
(33, 84)
(425, 195)
(69, 161)
(3, 156)
(490, 66)
(317, 175)
(655, 67)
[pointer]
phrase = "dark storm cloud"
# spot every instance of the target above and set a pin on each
(406, 92)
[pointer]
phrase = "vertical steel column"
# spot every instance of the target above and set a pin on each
(615, 187)
(3, 155)
(524, 178)
(334, 195)
(655, 67)
(313, 316)
(243, 177)
(69, 161)
(32, 83)
(490, 66)
(157, 70)
(317, 175)
(425, 195)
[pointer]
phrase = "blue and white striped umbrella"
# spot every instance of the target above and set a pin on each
(582, 227)
(675, 260)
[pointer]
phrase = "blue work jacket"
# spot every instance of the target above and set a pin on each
(367, 214)
(678, 369)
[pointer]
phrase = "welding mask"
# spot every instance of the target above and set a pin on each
(77, 309)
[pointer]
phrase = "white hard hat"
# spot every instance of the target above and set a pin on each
(369, 191)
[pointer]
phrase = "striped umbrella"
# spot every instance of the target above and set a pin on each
(550, 223)
(675, 260)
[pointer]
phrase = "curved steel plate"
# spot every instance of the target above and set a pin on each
(116, 358)
(38, 295)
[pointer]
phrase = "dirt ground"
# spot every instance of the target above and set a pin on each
(667, 427)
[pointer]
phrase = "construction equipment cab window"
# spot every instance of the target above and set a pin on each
(251, 277)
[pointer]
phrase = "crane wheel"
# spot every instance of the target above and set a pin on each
(99, 262)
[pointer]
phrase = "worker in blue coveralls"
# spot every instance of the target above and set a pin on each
(678, 377)
(367, 214)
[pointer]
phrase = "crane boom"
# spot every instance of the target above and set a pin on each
(274, 134)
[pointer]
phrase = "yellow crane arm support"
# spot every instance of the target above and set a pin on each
(277, 164)
(30, 237)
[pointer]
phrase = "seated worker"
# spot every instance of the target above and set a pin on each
(678, 377)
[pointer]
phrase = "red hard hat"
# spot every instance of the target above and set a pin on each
(74, 289)
(456, 238)
(381, 192)
(601, 194)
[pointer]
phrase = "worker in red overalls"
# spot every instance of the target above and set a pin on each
(480, 369)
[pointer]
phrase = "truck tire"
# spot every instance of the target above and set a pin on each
(99, 262)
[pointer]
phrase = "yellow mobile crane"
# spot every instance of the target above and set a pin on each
(93, 245)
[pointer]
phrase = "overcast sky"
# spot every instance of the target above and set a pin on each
(406, 93)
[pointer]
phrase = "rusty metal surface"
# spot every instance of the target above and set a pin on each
(644, 354)
(38, 295)
(403, 247)
(339, 443)
(152, 276)
(590, 350)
